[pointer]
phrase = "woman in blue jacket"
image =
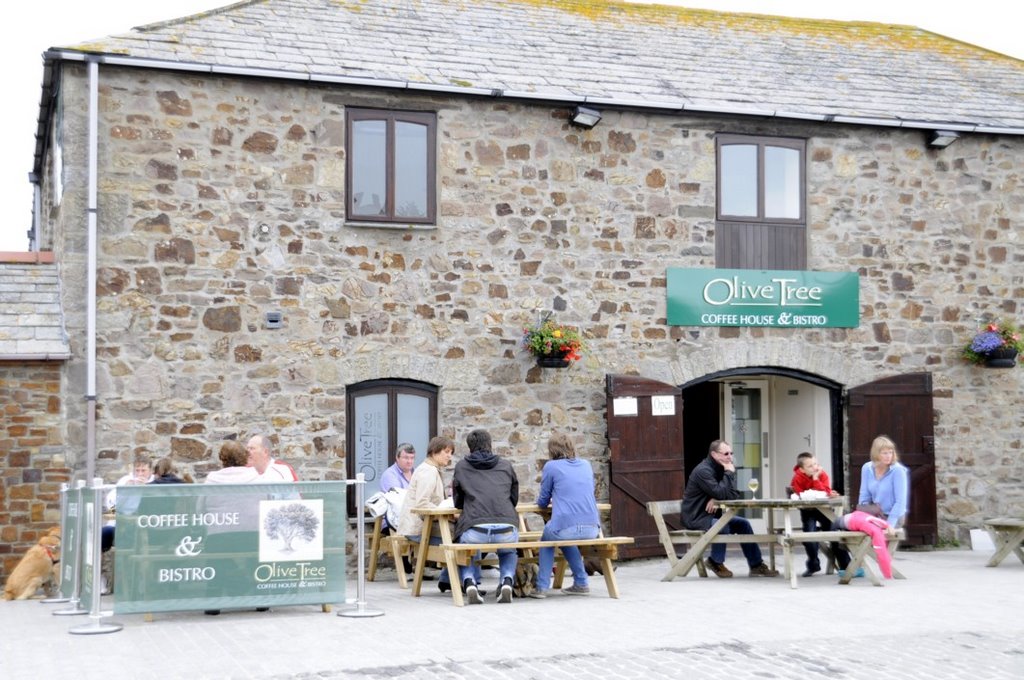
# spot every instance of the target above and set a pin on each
(567, 483)
(885, 482)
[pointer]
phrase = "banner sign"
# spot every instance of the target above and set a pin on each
(219, 546)
(748, 297)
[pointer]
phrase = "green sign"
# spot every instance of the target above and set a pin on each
(213, 546)
(748, 297)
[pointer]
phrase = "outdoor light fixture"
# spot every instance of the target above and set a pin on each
(585, 117)
(940, 139)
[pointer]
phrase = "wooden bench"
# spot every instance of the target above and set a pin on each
(857, 542)
(1007, 534)
(672, 537)
(461, 554)
(394, 544)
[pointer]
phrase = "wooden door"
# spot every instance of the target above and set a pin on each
(899, 407)
(645, 438)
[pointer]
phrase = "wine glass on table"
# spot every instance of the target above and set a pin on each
(753, 485)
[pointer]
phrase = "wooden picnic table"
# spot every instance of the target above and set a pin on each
(770, 538)
(453, 554)
(787, 537)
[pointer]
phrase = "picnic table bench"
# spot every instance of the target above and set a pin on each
(453, 554)
(1007, 534)
(786, 537)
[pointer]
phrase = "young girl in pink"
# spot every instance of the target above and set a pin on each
(878, 529)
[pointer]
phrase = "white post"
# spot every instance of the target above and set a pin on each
(360, 610)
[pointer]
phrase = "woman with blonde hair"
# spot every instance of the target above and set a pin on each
(884, 483)
(567, 483)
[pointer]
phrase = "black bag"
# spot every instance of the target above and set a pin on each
(873, 509)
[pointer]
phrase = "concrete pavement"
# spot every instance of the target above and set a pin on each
(951, 618)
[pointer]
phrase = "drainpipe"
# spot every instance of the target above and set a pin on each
(90, 287)
(37, 203)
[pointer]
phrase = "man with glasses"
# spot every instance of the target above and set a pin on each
(714, 479)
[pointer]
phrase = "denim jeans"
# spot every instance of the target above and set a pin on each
(546, 559)
(434, 540)
(815, 520)
(751, 551)
(507, 557)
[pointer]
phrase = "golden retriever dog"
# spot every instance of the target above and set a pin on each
(35, 570)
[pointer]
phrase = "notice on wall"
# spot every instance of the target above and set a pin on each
(663, 405)
(624, 406)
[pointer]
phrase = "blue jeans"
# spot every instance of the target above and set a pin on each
(815, 520)
(434, 540)
(737, 525)
(507, 557)
(546, 559)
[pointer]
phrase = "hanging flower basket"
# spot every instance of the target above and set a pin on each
(1004, 357)
(995, 346)
(554, 345)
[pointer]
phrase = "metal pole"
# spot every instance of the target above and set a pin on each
(63, 535)
(95, 549)
(360, 610)
(76, 512)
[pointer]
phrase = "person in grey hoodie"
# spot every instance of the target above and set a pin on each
(486, 489)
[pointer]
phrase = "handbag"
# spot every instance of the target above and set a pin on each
(873, 509)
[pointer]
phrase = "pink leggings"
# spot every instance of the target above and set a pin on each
(875, 528)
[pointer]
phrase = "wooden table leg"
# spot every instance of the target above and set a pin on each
(1006, 541)
(421, 555)
(453, 567)
(857, 557)
(374, 550)
(696, 551)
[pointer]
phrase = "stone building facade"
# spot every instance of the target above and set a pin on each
(223, 198)
(222, 172)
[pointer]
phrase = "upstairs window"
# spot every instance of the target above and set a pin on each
(761, 203)
(391, 165)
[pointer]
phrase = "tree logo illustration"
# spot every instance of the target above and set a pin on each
(289, 523)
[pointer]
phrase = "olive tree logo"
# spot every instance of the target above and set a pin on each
(291, 530)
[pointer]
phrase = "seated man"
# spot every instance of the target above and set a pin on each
(269, 470)
(486, 490)
(713, 479)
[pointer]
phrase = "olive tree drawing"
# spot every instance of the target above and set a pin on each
(290, 522)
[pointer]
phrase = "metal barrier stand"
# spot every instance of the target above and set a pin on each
(96, 615)
(61, 597)
(359, 609)
(75, 514)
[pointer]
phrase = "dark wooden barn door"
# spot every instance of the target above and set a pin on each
(645, 437)
(899, 407)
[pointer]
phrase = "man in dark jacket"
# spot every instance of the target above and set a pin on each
(715, 479)
(486, 489)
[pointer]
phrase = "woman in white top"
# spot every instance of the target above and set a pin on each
(427, 490)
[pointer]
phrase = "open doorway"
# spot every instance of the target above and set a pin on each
(769, 416)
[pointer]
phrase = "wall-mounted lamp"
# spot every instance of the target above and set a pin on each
(585, 117)
(940, 139)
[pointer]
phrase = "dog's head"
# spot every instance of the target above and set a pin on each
(51, 544)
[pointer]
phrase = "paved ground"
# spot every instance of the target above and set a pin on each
(952, 618)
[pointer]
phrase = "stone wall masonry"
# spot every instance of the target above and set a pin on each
(223, 199)
(31, 456)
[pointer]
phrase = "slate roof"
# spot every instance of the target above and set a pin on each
(604, 52)
(31, 318)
